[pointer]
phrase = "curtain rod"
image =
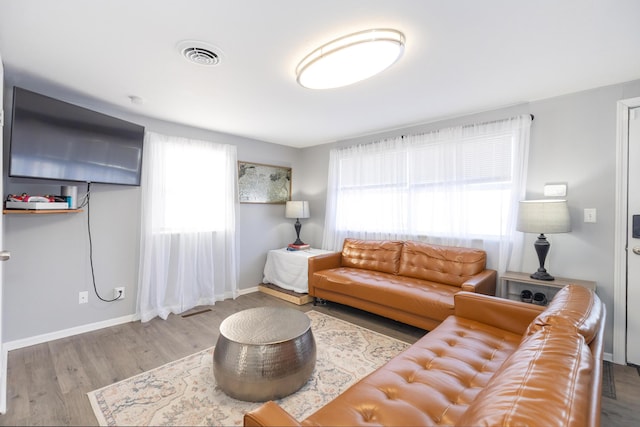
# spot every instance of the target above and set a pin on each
(530, 115)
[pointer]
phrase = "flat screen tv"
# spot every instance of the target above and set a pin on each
(52, 139)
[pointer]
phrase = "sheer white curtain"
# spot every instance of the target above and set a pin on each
(457, 186)
(188, 247)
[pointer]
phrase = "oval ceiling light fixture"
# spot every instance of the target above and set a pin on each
(200, 53)
(350, 59)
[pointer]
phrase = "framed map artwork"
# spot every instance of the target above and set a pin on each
(260, 183)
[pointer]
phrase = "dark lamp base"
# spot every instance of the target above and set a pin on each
(542, 275)
(542, 248)
(298, 227)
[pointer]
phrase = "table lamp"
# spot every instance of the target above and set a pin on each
(543, 216)
(297, 210)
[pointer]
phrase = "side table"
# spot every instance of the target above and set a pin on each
(512, 283)
(288, 270)
(264, 353)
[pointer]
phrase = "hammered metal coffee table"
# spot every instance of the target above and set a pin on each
(264, 353)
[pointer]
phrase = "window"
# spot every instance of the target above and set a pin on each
(188, 240)
(454, 184)
(192, 180)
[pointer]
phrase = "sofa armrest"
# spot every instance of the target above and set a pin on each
(512, 316)
(325, 261)
(322, 262)
(482, 283)
(269, 414)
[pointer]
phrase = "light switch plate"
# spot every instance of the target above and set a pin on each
(590, 215)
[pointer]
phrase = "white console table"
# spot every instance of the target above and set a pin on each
(289, 269)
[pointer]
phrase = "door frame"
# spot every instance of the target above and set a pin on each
(620, 231)
(3, 352)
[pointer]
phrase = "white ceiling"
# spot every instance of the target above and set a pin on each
(461, 57)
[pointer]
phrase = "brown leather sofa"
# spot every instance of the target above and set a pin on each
(411, 282)
(495, 362)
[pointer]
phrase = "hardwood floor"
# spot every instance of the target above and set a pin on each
(47, 383)
(624, 410)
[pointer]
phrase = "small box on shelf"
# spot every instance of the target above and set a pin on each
(36, 205)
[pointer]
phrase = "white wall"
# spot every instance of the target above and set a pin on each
(573, 140)
(50, 253)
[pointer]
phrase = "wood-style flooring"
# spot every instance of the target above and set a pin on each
(47, 383)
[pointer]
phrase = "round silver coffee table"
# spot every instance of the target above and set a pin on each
(264, 353)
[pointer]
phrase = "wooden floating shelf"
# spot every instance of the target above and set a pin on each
(40, 211)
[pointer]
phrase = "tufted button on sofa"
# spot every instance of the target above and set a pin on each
(411, 282)
(494, 362)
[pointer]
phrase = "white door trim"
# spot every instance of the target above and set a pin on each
(3, 358)
(620, 230)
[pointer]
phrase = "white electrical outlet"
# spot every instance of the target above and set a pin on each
(118, 292)
(83, 297)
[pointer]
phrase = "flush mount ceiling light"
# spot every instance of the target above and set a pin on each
(350, 59)
(200, 53)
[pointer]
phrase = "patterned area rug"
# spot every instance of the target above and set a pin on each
(184, 392)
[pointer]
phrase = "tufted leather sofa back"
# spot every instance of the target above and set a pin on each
(375, 255)
(575, 307)
(442, 264)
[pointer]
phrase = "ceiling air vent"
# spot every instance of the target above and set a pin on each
(199, 53)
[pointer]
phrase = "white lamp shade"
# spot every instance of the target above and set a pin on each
(543, 216)
(297, 209)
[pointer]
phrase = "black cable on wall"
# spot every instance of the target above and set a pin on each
(86, 202)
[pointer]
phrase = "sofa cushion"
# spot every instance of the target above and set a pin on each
(545, 382)
(431, 383)
(419, 297)
(443, 264)
(374, 255)
(575, 306)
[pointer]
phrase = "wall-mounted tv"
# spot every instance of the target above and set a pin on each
(52, 139)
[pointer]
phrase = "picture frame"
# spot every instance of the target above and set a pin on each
(261, 183)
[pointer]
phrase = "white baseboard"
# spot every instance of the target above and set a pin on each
(39, 339)
(608, 357)
(249, 290)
